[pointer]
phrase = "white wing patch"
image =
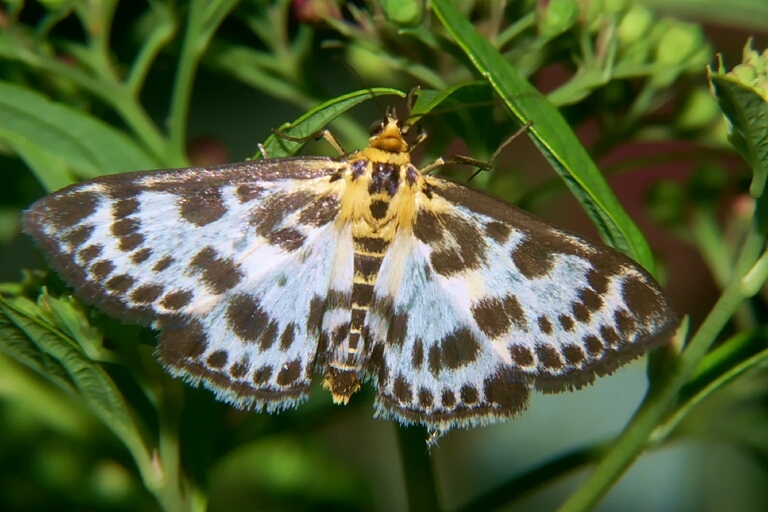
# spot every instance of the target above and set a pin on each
(259, 275)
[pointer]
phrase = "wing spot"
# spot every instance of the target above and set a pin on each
(79, 235)
(131, 242)
(521, 355)
(625, 322)
(202, 207)
(180, 341)
(141, 255)
(72, 208)
(147, 293)
(448, 399)
(507, 395)
(402, 390)
(610, 336)
(262, 375)
(591, 300)
(248, 192)
(239, 369)
(417, 357)
(162, 264)
(566, 322)
(580, 312)
(125, 207)
(289, 334)
(268, 336)
(428, 227)
(289, 373)
(642, 299)
(545, 326)
(218, 274)
(340, 334)
(426, 399)
(398, 329)
(120, 283)
(288, 239)
(217, 359)
(245, 317)
(598, 281)
(548, 357)
(101, 269)
(498, 231)
(320, 212)
(90, 253)
(593, 344)
(573, 354)
(469, 394)
(176, 300)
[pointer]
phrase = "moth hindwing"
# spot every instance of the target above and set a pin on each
(452, 302)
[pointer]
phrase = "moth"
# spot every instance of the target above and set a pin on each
(453, 303)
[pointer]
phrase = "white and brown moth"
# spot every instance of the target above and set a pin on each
(452, 302)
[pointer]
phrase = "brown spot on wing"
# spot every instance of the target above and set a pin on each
(426, 398)
(428, 227)
(248, 192)
(610, 336)
(505, 393)
(288, 336)
(219, 274)
(402, 390)
(593, 344)
(141, 255)
(120, 283)
(573, 354)
(217, 359)
(125, 207)
(545, 325)
(147, 293)
(90, 253)
(162, 264)
(320, 211)
(202, 206)
(288, 239)
(262, 375)
(417, 356)
(448, 399)
(498, 231)
(566, 322)
(548, 357)
(71, 208)
(469, 394)
(521, 355)
(245, 317)
(289, 373)
(176, 300)
(79, 235)
(398, 329)
(101, 269)
(181, 340)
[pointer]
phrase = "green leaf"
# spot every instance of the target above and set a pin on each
(43, 348)
(747, 113)
(318, 118)
(552, 135)
(82, 144)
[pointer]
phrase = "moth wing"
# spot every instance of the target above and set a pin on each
(484, 301)
(232, 264)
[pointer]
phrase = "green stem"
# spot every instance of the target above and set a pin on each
(204, 18)
(540, 476)
(420, 482)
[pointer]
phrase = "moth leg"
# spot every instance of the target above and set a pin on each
(321, 134)
(467, 160)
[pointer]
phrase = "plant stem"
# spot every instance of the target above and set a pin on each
(420, 482)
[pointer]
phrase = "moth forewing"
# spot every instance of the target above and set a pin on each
(451, 301)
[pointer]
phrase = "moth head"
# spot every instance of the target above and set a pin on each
(389, 134)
